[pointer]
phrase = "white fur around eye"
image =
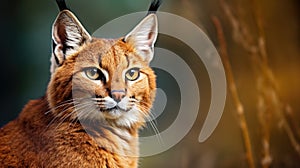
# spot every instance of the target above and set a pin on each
(84, 75)
(126, 70)
(97, 82)
(141, 77)
(106, 75)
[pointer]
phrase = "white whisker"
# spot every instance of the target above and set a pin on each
(152, 124)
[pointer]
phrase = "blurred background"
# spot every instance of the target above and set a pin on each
(259, 39)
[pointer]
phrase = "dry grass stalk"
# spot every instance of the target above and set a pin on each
(234, 92)
(269, 103)
(273, 97)
(291, 119)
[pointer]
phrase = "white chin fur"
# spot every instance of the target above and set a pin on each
(121, 118)
(127, 119)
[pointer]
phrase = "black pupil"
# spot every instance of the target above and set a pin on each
(93, 72)
(131, 72)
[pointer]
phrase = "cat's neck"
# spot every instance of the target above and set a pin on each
(121, 141)
(118, 140)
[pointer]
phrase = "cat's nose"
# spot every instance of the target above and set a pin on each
(117, 95)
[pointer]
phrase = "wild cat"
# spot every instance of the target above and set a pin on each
(99, 87)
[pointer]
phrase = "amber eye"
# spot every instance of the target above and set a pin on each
(93, 73)
(132, 74)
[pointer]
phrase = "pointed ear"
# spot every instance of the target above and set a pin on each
(68, 36)
(143, 37)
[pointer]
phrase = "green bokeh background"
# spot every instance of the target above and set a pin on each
(26, 49)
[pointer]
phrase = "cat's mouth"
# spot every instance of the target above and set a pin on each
(118, 108)
(114, 109)
(115, 112)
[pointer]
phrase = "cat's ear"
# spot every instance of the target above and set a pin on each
(143, 37)
(68, 36)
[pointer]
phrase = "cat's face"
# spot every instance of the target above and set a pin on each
(116, 83)
(102, 79)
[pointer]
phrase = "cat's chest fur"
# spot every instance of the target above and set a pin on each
(38, 144)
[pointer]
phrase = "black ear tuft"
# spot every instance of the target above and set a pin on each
(62, 5)
(155, 4)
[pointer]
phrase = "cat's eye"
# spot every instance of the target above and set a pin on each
(132, 74)
(94, 74)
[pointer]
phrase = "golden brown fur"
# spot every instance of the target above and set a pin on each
(71, 126)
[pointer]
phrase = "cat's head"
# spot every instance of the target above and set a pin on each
(102, 79)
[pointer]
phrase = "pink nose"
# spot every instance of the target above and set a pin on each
(117, 95)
